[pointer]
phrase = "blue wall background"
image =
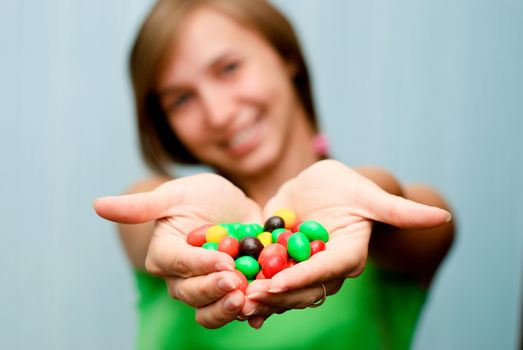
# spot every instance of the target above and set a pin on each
(430, 90)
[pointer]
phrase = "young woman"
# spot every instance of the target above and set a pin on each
(224, 83)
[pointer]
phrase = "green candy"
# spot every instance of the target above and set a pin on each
(228, 227)
(257, 228)
(248, 266)
(299, 247)
(232, 229)
(248, 230)
(235, 235)
(210, 246)
(314, 231)
(235, 225)
(276, 233)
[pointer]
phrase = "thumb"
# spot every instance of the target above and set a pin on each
(404, 213)
(134, 208)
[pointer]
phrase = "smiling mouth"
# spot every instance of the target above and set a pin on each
(245, 140)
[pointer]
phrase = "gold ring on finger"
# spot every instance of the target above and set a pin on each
(320, 301)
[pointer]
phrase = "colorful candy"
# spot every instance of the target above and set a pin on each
(299, 247)
(260, 275)
(229, 245)
(314, 230)
(251, 246)
(197, 237)
(248, 266)
(273, 223)
(249, 230)
(288, 216)
(270, 250)
(216, 233)
(273, 264)
(317, 246)
(276, 233)
(262, 252)
(265, 238)
(284, 237)
(210, 246)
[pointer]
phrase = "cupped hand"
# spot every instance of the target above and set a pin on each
(347, 204)
(200, 278)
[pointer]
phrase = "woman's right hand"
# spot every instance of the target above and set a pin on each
(203, 279)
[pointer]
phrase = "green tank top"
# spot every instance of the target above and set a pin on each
(377, 310)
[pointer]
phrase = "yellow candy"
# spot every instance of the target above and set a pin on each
(288, 217)
(265, 238)
(215, 233)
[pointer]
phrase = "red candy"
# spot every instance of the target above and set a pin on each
(284, 237)
(229, 245)
(296, 226)
(244, 283)
(197, 236)
(291, 263)
(317, 246)
(273, 264)
(260, 275)
(272, 249)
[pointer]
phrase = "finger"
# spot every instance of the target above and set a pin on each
(345, 260)
(218, 314)
(202, 290)
(257, 322)
(173, 256)
(138, 207)
(398, 211)
(293, 299)
(265, 310)
(251, 305)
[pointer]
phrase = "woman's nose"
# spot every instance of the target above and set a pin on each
(219, 107)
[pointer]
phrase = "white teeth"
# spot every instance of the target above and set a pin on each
(241, 136)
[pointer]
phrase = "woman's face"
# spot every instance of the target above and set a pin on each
(228, 95)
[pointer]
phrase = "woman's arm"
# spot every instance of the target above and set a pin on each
(417, 252)
(135, 238)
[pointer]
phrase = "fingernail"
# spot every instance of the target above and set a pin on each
(232, 303)
(449, 217)
(251, 312)
(254, 295)
(223, 266)
(276, 290)
(225, 285)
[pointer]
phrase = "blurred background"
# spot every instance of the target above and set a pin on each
(432, 91)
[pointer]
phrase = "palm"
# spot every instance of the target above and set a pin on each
(203, 199)
(346, 203)
(181, 205)
(196, 201)
(328, 193)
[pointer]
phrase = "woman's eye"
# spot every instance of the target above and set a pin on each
(229, 68)
(180, 101)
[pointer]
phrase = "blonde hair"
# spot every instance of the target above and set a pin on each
(159, 144)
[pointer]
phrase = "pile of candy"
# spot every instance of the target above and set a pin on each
(262, 252)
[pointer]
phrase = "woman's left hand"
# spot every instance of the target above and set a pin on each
(347, 204)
